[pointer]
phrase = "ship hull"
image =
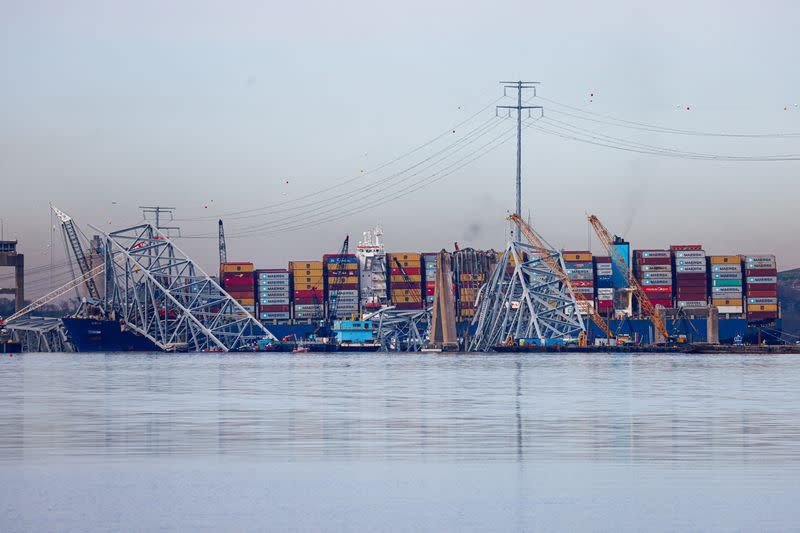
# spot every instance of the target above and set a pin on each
(90, 335)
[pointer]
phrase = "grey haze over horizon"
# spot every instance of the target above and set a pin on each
(212, 107)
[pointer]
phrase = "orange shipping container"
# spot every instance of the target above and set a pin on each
(724, 302)
(404, 257)
(341, 280)
(571, 256)
(761, 307)
(725, 259)
(236, 267)
(305, 265)
(342, 266)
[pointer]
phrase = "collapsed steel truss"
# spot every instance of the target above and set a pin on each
(158, 291)
(40, 334)
(524, 299)
(401, 330)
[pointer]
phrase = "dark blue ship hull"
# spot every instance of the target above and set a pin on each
(696, 330)
(90, 335)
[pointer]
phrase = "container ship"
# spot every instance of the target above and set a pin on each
(293, 300)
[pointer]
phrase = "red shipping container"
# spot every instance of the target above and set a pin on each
(762, 272)
(308, 294)
(274, 308)
(762, 294)
(692, 283)
(762, 287)
(657, 289)
(602, 259)
(430, 284)
(762, 315)
(653, 261)
(686, 247)
(239, 283)
(407, 305)
(662, 303)
(582, 283)
(691, 275)
(405, 285)
(691, 295)
(411, 271)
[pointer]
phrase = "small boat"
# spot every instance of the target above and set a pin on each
(301, 349)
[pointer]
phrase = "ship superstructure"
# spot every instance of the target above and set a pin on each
(372, 262)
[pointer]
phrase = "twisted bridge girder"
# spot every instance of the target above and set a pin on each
(159, 292)
(524, 298)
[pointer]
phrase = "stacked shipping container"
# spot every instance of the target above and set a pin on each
(725, 283)
(308, 289)
(580, 270)
(237, 280)
(761, 274)
(273, 291)
(471, 270)
(604, 282)
(405, 280)
(341, 275)
(429, 264)
(689, 263)
(653, 269)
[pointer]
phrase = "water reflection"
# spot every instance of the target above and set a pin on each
(618, 408)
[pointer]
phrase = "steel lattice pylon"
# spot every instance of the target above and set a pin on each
(524, 299)
(158, 291)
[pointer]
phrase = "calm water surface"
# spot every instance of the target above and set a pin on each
(137, 442)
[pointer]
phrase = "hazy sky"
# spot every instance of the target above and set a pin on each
(219, 104)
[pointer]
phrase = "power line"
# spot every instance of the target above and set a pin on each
(335, 203)
(424, 182)
(596, 138)
(618, 122)
(361, 175)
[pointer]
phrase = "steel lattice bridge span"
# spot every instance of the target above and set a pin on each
(157, 291)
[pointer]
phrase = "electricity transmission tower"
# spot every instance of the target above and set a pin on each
(519, 86)
(156, 212)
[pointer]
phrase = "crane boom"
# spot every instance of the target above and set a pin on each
(71, 233)
(555, 266)
(223, 250)
(333, 301)
(647, 306)
(64, 289)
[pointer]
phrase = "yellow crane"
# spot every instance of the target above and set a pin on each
(647, 306)
(555, 265)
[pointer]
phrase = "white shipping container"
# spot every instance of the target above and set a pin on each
(692, 303)
(691, 254)
(726, 275)
(655, 268)
(652, 254)
(274, 316)
(726, 290)
(273, 275)
(690, 269)
(762, 301)
(758, 258)
(308, 307)
(730, 309)
(691, 262)
(761, 280)
(726, 268)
